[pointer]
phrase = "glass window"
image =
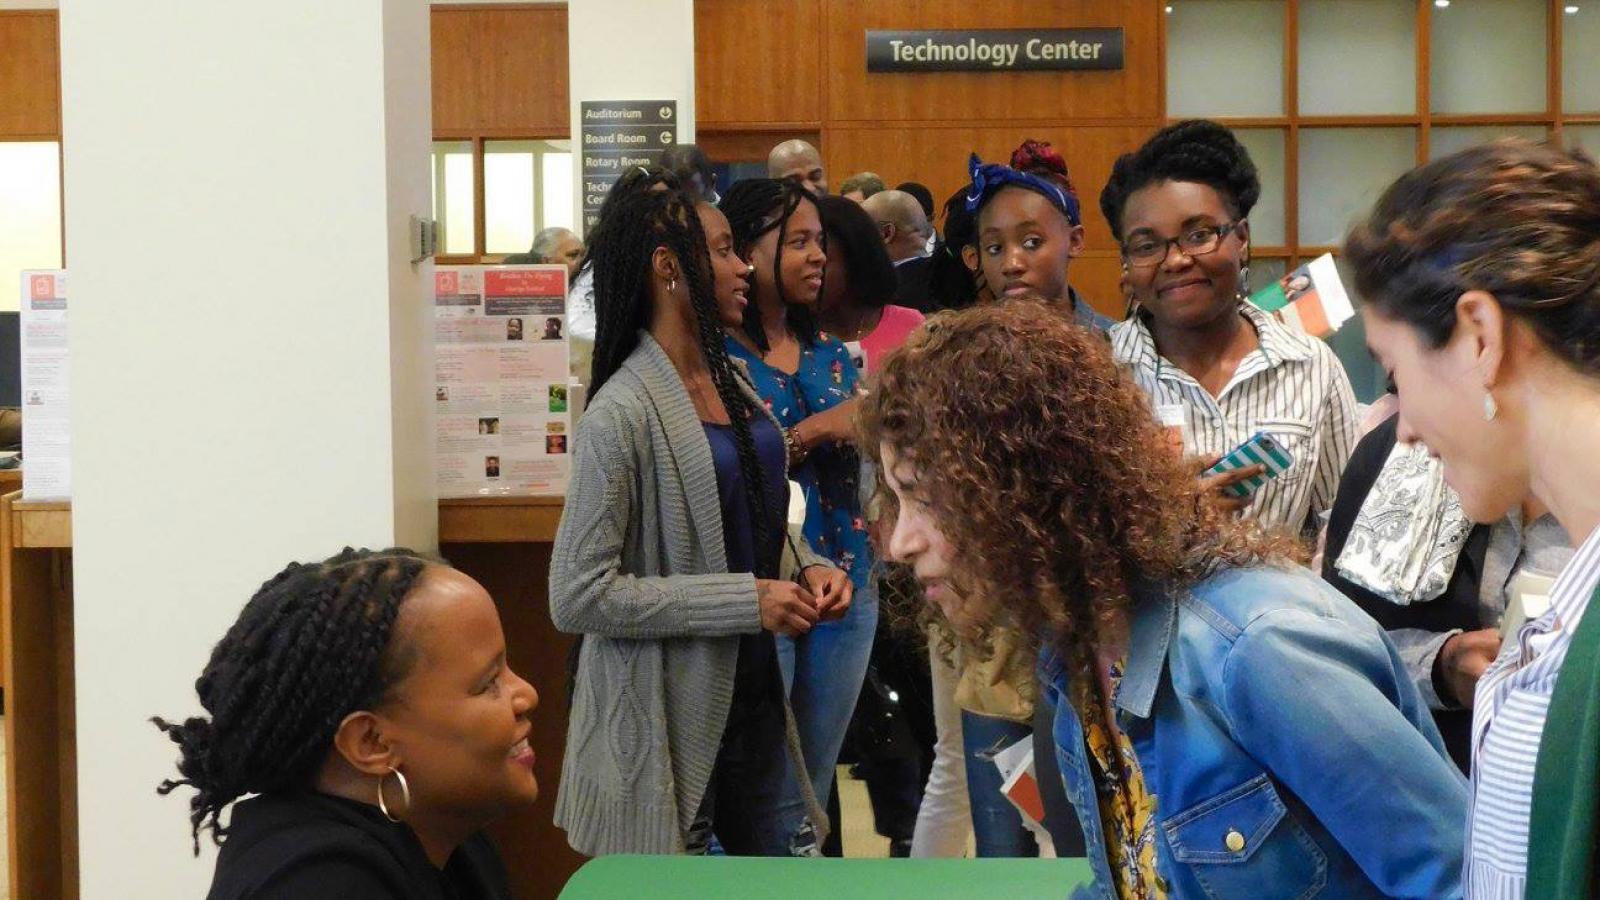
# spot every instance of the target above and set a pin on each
(1586, 137)
(1342, 171)
(556, 186)
(454, 205)
(1580, 56)
(527, 187)
(1266, 151)
(1225, 57)
(1445, 141)
(1358, 57)
(1489, 56)
(30, 227)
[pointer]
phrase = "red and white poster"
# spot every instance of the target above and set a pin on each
(46, 425)
(501, 380)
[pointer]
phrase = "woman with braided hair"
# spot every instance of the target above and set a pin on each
(365, 700)
(806, 378)
(1180, 207)
(671, 560)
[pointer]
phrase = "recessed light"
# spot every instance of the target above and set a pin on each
(1169, 10)
(1571, 10)
(1442, 4)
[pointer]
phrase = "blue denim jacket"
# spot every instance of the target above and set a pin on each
(1269, 713)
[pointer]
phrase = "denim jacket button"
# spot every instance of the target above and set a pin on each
(1234, 840)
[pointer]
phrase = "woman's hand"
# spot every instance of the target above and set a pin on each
(1212, 487)
(786, 607)
(833, 426)
(833, 591)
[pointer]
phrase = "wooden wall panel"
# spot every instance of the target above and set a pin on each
(757, 62)
(500, 71)
(746, 146)
(30, 75)
(853, 94)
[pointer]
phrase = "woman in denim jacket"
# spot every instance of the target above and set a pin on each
(1227, 724)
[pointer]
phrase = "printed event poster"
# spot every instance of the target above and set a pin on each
(501, 380)
(1311, 298)
(46, 428)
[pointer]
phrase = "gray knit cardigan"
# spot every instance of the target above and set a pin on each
(639, 569)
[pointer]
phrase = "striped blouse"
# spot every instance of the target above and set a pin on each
(1507, 720)
(1291, 386)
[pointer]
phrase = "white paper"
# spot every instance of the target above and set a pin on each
(501, 391)
(46, 425)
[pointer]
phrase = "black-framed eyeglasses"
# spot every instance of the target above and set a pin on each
(1148, 250)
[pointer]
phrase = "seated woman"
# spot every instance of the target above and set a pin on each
(366, 701)
(1180, 208)
(1227, 724)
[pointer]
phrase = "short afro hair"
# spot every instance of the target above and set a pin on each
(1196, 150)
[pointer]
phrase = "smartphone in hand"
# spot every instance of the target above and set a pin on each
(1261, 449)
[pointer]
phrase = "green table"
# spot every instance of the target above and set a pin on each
(694, 878)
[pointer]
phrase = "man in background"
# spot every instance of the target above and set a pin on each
(798, 159)
(905, 230)
(860, 186)
(553, 246)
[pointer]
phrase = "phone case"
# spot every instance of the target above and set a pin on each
(1261, 449)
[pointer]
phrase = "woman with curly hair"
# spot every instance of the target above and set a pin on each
(1227, 724)
(1180, 207)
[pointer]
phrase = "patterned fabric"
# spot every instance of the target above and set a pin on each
(1291, 387)
(1127, 809)
(1409, 533)
(830, 477)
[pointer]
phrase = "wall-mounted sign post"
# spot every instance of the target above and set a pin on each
(616, 136)
(995, 50)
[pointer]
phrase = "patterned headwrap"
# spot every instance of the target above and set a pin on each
(989, 178)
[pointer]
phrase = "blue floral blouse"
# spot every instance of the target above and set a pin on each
(831, 475)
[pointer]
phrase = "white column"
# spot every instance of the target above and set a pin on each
(628, 50)
(250, 362)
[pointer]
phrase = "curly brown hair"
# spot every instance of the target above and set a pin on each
(1045, 470)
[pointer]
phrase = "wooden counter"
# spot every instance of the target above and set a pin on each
(503, 542)
(41, 728)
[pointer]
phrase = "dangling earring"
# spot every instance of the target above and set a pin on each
(1490, 407)
(672, 286)
(405, 793)
(1244, 282)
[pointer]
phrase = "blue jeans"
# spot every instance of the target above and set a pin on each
(823, 672)
(997, 827)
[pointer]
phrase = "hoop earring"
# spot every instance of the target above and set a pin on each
(405, 792)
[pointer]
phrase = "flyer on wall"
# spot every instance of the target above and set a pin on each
(501, 380)
(46, 427)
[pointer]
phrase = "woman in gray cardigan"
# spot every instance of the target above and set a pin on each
(673, 559)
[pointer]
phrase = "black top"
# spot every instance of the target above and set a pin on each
(1457, 608)
(911, 285)
(308, 846)
(753, 679)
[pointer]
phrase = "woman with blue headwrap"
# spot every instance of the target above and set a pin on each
(1029, 231)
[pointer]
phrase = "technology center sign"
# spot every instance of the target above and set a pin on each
(994, 50)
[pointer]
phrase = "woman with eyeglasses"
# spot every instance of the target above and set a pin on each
(1210, 362)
